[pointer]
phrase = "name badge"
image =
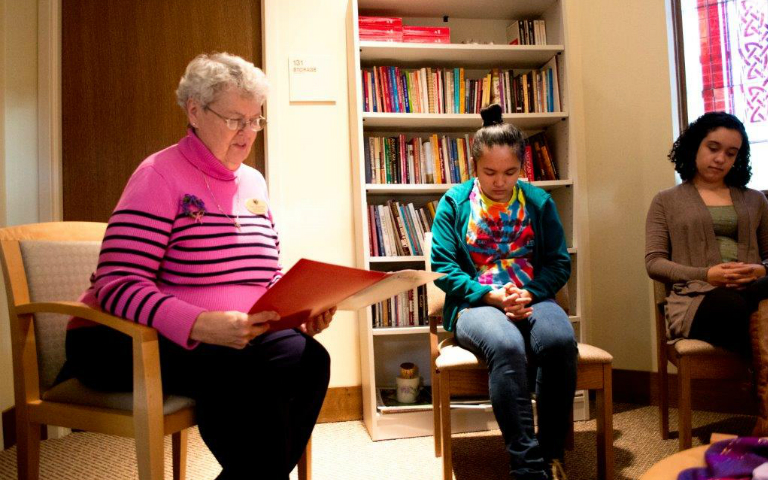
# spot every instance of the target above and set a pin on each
(256, 206)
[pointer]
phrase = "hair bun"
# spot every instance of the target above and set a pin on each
(491, 115)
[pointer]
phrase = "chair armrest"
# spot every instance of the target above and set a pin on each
(77, 309)
(147, 382)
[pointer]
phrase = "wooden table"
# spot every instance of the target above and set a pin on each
(670, 467)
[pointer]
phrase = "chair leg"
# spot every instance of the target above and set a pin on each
(684, 402)
(663, 398)
(436, 411)
(179, 454)
(445, 425)
(305, 462)
(27, 448)
(604, 415)
(149, 450)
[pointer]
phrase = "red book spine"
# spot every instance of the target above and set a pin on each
(529, 163)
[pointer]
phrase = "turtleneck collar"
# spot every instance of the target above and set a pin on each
(195, 151)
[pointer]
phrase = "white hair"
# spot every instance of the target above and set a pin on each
(208, 74)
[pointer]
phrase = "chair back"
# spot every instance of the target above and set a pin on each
(48, 262)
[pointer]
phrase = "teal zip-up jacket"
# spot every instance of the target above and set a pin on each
(450, 255)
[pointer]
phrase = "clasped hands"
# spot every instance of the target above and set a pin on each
(236, 329)
(734, 274)
(513, 301)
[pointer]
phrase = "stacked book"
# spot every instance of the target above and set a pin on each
(381, 29)
(527, 32)
(446, 90)
(408, 309)
(397, 230)
(414, 34)
(539, 164)
(432, 160)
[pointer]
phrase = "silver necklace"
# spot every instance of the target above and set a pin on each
(236, 220)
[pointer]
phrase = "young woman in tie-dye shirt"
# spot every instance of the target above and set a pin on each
(502, 247)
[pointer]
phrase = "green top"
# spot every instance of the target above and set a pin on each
(551, 261)
(726, 226)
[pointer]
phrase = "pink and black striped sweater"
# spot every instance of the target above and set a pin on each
(161, 265)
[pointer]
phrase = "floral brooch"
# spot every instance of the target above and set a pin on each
(193, 207)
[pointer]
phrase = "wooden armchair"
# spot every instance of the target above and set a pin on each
(456, 371)
(694, 359)
(46, 267)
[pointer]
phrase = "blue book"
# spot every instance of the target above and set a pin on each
(395, 96)
(550, 90)
(414, 246)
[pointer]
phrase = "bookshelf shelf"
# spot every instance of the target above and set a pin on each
(479, 9)
(457, 54)
(404, 330)
(454, 121)
(411, 258)
(426, 189)
(478, 36)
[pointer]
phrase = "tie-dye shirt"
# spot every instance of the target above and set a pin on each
(500, 239)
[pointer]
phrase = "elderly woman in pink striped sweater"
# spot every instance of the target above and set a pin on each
(190, 246)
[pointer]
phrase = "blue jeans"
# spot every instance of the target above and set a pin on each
(542, 345)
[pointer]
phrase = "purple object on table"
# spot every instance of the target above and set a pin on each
(728, 459)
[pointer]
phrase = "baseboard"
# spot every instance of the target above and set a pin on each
(342, 404)
(727, 396)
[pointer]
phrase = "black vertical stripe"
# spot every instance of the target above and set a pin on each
(106, 298)
(152, 312)
(137, 315)
(128, 302)
(120, 292)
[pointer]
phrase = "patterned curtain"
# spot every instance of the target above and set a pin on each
(733, 43)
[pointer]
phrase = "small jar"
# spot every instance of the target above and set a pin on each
(408, 383)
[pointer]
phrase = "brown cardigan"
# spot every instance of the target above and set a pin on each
(680, 245)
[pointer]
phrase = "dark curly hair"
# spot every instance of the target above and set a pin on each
(683, 153)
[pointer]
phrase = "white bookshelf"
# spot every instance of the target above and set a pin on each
(383, 349)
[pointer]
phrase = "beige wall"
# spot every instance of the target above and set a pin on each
(308, 157)
(628, 131)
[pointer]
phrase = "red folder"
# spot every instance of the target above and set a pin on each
(311, 288)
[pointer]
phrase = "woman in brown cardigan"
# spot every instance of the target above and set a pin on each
(707, 238)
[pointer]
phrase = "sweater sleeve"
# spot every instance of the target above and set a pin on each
(762, 227)
(657, 249)
(135, 243)
(445, 250)
(554, 267)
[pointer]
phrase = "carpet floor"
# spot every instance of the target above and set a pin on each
(344, 451)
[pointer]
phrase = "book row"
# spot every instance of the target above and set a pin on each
(396, 229)
(443, 160)
(437, 160)
(527, 32)
(446, 90)
(408, 309)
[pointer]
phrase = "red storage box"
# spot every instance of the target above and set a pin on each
(414, 34)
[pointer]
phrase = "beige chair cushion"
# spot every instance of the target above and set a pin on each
(56, 271)
(453, 357)
(688, 346)
(72, 391)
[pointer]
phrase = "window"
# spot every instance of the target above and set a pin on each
(725, 68)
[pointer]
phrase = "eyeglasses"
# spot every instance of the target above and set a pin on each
(255, 124)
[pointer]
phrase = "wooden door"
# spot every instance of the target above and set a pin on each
(121, 65)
